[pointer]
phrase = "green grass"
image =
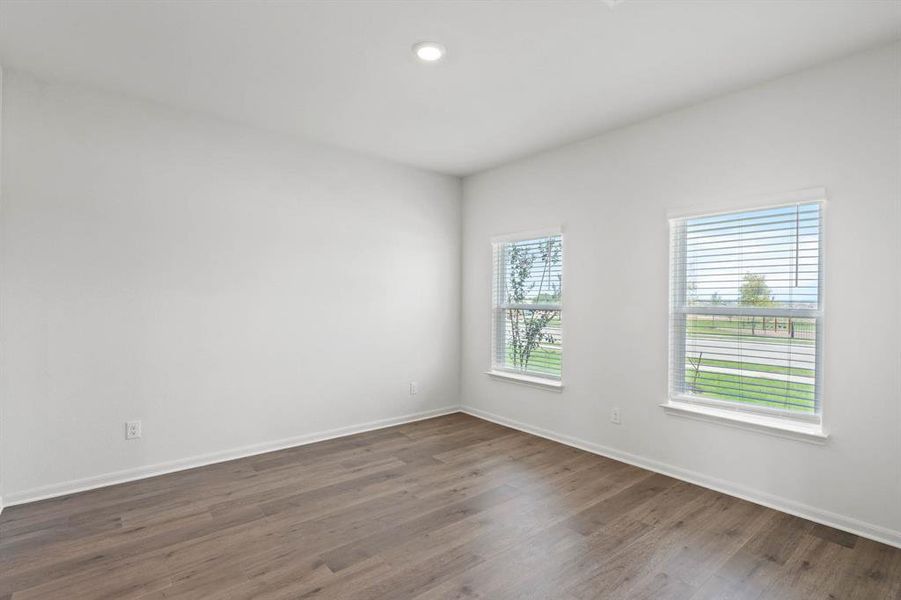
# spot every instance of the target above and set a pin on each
(735, 327)
(693, 334)
(756, 391)
(542, 360)
(759, 367)
(801, 324)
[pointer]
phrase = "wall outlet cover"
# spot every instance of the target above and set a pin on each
(132, 430)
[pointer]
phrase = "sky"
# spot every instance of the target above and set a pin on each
(782, 244)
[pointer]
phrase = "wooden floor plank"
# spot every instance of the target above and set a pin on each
(451, 507)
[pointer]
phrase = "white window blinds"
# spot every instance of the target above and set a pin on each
(745, 311)
(527, 309)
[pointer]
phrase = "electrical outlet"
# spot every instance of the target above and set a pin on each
(615, 416)
(414, 387)
(132, 430)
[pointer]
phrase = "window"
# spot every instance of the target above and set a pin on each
(746, 312)
(527, 310)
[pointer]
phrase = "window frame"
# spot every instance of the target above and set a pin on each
(677, 290)
(497, 333)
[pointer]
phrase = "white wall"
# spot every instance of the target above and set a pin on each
(1, 288)
(233, 288)
(836, 126)
(226, 286)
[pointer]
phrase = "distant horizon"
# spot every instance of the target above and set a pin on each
(721, 250)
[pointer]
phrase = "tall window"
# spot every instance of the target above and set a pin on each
(527, 306)
(746, 313)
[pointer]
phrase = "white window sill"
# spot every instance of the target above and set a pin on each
(785, 428)
(553, 385)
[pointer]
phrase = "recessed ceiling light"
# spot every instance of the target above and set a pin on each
(429, 51)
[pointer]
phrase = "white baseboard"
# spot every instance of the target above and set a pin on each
(824, 517)
(855, 526)
(143, 472)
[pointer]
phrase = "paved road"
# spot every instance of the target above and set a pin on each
(777, 353)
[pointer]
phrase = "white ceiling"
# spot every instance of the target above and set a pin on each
(519, 76)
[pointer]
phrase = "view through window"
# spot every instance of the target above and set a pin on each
(745, 308)
(527, 307)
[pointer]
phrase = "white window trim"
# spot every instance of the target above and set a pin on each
(781, 423)
(750, 420)
(713, 208)
(526, 235)
(547, 382)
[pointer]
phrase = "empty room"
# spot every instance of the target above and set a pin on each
(450, 299)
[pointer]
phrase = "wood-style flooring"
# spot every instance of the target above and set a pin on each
(451, 507)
